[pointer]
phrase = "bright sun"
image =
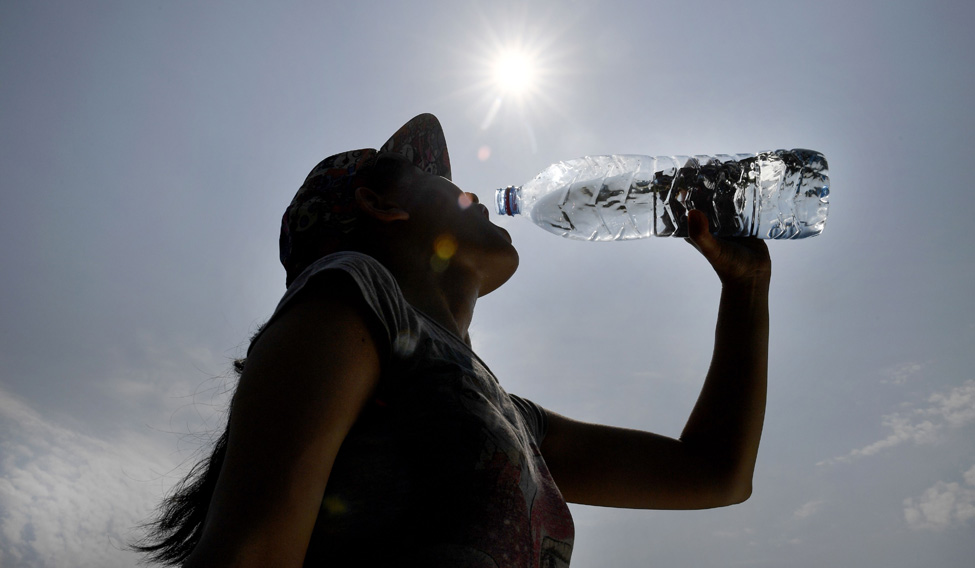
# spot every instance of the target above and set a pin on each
(514, 72)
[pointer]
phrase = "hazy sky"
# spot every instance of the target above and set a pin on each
(148, 150)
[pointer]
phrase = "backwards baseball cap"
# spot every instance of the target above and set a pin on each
(325, 208)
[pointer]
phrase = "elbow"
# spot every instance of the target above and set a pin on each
(729, 487)
(724, 478)
(717, 496)
(733, 478)
(739, 494)
(733, 490)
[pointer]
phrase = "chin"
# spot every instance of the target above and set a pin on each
(502, 268)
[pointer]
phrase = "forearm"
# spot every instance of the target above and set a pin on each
(726, 424)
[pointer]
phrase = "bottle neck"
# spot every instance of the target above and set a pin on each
(508, 200)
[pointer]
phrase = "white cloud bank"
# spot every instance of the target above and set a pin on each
(953, 409)
(942, 505)
(67, 499)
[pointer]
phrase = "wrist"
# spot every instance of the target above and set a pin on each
(751, 286)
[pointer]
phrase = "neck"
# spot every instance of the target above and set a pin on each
(447, 297)
(451, 303)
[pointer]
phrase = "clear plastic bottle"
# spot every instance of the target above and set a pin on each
(782, 194)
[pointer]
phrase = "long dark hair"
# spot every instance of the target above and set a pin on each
(174, 533)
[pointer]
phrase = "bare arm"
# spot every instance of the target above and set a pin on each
(306, 380)
(712, 463)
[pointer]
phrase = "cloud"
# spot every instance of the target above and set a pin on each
(942, 505)
(69, 499)
(953, 409)
(807, 510)
(900, 374)
(956, 408)
(168, 378)
(740, 533)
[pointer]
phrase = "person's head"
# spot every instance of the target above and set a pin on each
(386, 201)
(324, 217)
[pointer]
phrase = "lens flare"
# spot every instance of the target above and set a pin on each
(444, 248)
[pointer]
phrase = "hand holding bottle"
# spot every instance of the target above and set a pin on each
(737, 261)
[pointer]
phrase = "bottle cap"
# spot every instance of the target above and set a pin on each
(507, 200)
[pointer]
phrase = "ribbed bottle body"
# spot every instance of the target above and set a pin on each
(781, 194)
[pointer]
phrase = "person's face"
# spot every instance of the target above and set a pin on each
(457, 228)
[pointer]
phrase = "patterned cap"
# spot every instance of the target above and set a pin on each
(324, 206)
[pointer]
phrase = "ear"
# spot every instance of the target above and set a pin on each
(378, 207)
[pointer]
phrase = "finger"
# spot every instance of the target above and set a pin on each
(699, 235)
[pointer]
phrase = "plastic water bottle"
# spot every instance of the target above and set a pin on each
(782, 194)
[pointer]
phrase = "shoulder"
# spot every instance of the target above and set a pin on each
(326, 317)
(348, 279)
(373, 280)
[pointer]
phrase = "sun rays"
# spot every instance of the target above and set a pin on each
(516, 66)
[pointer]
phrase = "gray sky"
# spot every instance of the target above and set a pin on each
(149, 149)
